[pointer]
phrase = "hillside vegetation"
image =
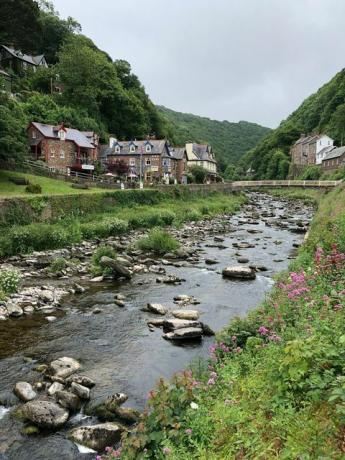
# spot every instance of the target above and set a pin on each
(274, 386)
(323, 112)
(229, 140)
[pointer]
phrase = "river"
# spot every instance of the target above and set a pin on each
(116, 348)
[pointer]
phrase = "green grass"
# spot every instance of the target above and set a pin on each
(274, 387)
(49, 186)
(159, 242)
(304, 194)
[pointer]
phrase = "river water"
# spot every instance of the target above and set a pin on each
(116, 348)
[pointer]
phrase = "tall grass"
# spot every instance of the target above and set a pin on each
(159, 242)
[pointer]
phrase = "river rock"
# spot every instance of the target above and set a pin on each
(82, 380)
(119, 303)
(97, 437)
(127, 415)
(173, 324)
(115, 400)
(157, 308)
(211, 261)
(184, 334)
(54, 387)
(170, 279)
(242, 260)
(14, 310)
(186, 314)
(118, 268)
(155, 322)
(64, 367)
(237, 272)
(45, 414)
(68, 400)
(97, 279)
(24, 391)
(80, 390)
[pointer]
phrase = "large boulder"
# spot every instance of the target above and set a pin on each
(24, 391)
(14, 310)
(97, 437)
(45, 414)
(186, 314)
(239, 272)
(185, 333)
(117, 267)
(63, 367)
(68, 400)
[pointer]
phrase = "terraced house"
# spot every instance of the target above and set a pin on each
(152, 160)
(310, 149)
(63, 149)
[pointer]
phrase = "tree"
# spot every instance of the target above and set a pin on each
(19, 24)
(199, 174)
(278, 165)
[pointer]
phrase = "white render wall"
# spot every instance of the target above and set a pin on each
(324, 141)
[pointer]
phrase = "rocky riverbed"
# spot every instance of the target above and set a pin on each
(114, 329)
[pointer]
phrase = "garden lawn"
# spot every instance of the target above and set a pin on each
(49, 186)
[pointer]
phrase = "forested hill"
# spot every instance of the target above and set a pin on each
(323, 111)
(99, 92)
(229, 140)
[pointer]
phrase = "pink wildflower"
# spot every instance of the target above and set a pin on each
(189, 431)
(166, 450)
(263, 330)
(211, 382)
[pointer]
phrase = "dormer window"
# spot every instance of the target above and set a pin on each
(148, 148)
(62, 135)
(132, 148)
(117, 149)
(34, 134)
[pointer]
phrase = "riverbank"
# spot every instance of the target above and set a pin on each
(274, 385)
(86, 217)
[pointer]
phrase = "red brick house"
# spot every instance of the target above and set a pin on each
(151, 159)
(63, 148)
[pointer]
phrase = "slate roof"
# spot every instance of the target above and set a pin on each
(335, 153)
(177, 152)
(325, 150)
(158, 147)
(33, 60)
(203, 152)
(73, 135)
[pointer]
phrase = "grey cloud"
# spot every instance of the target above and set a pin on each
(252, 60)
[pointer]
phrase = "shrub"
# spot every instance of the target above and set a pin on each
(9, 280)
(104, 228)
(152, 218)
(100, 252)
(311, 173)
(33, 188)
(58, 265)
(158, 241)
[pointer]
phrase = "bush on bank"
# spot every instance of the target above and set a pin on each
(159, 242)
(275, 382)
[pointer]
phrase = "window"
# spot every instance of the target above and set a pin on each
(132, 162)
(62, 135)
(148, 162)
(117, 149)
(52, 153)
(62, 154)
(34, 134)
(132, 148)
(148, 148)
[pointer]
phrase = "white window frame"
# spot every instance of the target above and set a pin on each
(52, 153)
(148, 148)
(148, 162)
(132, 162)
(132, 148)
(34, 136)
(62, 154)
(117, 149)
(62, 135)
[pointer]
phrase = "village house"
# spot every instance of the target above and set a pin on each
(335, 159)
(15, 61)
(180, 157)
(149, 159)
(202, 155)
(310, 149)
(63, 149)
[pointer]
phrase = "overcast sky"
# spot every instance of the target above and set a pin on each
(233, 60)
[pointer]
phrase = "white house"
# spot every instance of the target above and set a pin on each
(201, 155)
(324, 145)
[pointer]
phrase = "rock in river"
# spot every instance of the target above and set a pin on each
(80, 390)
(97, 437)
(173, 324)
(64, 367)
(45, 414)
(184, 334)
(68, 400)
(117, 267)
(239, 272)
(186, 314)
(24, 391)
(157, 308)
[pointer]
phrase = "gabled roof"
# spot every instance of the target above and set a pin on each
(33, 60)
(73, 135)
(158, 147)
(203, 152)
(177, 152)
(325, 150)
(335, 153)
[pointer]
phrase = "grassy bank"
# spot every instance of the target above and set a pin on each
(274, 386)
(131, 210)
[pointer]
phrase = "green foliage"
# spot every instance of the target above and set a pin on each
(9, 281)
(33, 188)
(198, 173)
(229, 140)
(110, 226)
(58, 265)
(152, 218)
(101, 251)
(312, 172)
(13, 121)
(159, 242)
